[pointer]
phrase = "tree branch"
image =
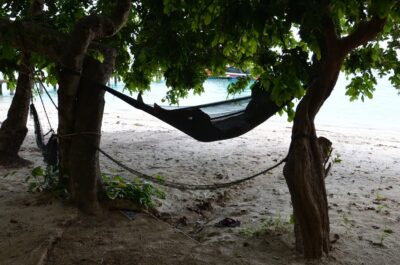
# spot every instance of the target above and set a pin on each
(28, 36)
(91, 28)
(364, 33)
(331, 37)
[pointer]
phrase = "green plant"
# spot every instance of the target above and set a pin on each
(378, 196)
(292, 219)
(137, 191)
(380, 208)
(42, 180)
(347, 223)
(385, 233)
(345, 219)
(276, 226)
(337, 159)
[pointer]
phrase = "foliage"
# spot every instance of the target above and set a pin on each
(46, 180)
(274, 226)
(277, 41)
(378, 197)
(346, 222)
(136, 190)
(386, 232)
(337, 159)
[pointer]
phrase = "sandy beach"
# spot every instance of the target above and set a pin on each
(363, 193)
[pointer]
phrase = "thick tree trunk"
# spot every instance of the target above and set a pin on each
(85, 31)
(83, 158)
(304, 171)
(13, 129)
(305, 174)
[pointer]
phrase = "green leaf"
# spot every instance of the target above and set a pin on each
(160, 179)
(314, 47)
(37, 172)
(207, 19)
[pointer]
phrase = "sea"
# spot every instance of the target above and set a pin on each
(382, 112)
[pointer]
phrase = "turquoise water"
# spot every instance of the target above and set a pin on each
(382, 112)
(214, 90)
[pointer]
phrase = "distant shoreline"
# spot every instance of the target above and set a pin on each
(377, 115)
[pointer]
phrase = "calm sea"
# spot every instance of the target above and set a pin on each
(381, 112)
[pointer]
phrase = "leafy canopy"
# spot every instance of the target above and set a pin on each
(277, 41)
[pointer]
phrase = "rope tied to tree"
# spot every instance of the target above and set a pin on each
(48, 94)
(304, 135)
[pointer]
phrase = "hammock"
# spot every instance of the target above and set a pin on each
(49, 150)
(203, 123)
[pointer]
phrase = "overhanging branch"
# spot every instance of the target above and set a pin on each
(365, 32)
(28, 36)
(91, 28)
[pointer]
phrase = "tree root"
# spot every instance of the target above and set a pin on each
(46, 247)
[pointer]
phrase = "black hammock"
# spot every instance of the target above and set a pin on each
(49, 149)
(241, 116)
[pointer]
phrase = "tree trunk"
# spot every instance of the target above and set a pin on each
(83, 160)
(73, 57)
(304, 171)
(305, 174)
(13, 129)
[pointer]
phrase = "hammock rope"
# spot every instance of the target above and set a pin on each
(48, 94)
(186, 186)
(50, 149)
(44, 108)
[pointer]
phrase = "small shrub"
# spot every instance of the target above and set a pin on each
(275, 226)
(46, 180)
(142, 193)
(337, 159)
(386, 232)
(137, 191)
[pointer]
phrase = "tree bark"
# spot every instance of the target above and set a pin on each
(85, 31)
(85, 177)
(304, 171)
(13, 130)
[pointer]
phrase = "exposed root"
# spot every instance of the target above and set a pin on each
(46, 247)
